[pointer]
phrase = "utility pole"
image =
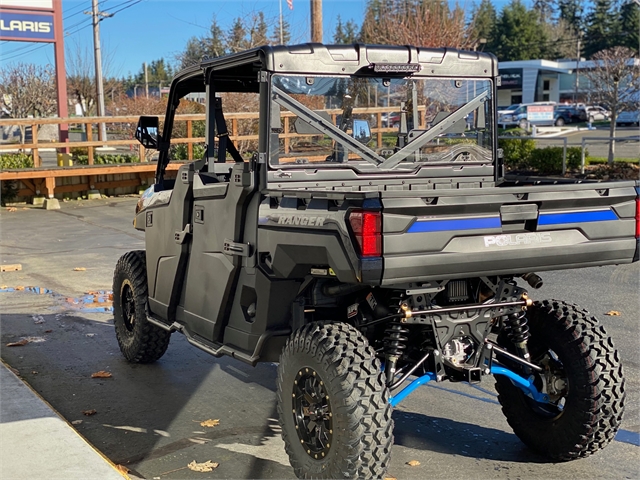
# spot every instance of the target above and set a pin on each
(146, 80)
(96, 16)
(316, 21)
(575, 93)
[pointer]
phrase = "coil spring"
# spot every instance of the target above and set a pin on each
(517, 327)
(395, 339)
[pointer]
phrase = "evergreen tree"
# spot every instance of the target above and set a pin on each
(346, 33)
(520, 34)
(484, 23)
(236, 40)
(275, 33)
(603, 27)
(544, 9)
(572, 12)
(630, 25)
(215, 43)
(258, 31)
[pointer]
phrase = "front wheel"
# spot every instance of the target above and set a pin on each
(581, 375)
(139, 340)
(333, 404)
(559, 122)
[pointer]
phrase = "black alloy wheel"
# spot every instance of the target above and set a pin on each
(312, 412)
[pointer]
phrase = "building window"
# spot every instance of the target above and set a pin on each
(545, 86)
(516, 99)
(545, 97)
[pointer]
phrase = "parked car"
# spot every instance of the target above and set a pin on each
(568, 114)
(596, 112)
(518, 116)
(628, 118)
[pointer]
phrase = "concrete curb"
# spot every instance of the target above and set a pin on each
(36, 442)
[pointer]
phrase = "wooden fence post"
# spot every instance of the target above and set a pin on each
(89, 129)
(189, 145)
(34, 150)
(287, 143)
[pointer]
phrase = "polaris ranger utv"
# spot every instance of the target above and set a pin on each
(369, 254)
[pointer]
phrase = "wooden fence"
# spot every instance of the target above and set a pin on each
(63, 180)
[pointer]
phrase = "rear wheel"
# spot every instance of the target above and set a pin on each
(333, 405)
(582, 377)
(139, 340)
(559, 122)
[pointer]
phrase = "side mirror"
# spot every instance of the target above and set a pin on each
(147, 132)
(361, 131)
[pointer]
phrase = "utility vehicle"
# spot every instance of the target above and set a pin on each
(368, 259)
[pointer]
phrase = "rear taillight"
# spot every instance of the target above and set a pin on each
(367, 228)
(637, 217)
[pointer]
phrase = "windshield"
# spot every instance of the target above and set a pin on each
(379, 124)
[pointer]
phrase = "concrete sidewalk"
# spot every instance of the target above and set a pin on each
(36, 443)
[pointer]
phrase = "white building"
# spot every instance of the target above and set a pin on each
(527, 81)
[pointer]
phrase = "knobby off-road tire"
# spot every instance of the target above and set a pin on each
(333, 404)
(594, 392)
(139, 340)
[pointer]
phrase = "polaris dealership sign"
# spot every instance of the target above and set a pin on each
(27, 20)
(26, 26)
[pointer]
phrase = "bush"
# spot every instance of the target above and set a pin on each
(549, 160)
(516, 151)
(179, 151)
(15, 160)
(106, 159)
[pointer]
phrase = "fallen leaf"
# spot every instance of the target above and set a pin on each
(77, 422)
(122, 469)
(34, 372)
(20, 288)
(15, 372)
(207, 466)
(79, 269)
(88, 413)
(101, 374)
(21, 343)
(390, 478)
(613, 313)
(12, 209)
(413, 463)
(210, 423)
(48, 331)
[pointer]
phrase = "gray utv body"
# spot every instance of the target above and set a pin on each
(365, 208)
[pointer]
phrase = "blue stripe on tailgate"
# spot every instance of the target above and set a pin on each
(422, 226)
(577, 217)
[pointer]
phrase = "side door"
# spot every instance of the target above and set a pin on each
(217, 248)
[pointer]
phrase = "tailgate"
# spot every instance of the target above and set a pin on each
(506, 230)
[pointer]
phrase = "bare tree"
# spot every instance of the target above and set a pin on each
(415, 22)
(28, 89)
(81, 79)
(615, 82)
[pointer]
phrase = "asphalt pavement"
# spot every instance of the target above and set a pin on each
(148, 417)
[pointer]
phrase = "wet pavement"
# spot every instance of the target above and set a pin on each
(148, 417)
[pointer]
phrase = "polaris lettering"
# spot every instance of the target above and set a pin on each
(518, 239)
(27, 27)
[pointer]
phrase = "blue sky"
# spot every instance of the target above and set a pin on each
(151, 29)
